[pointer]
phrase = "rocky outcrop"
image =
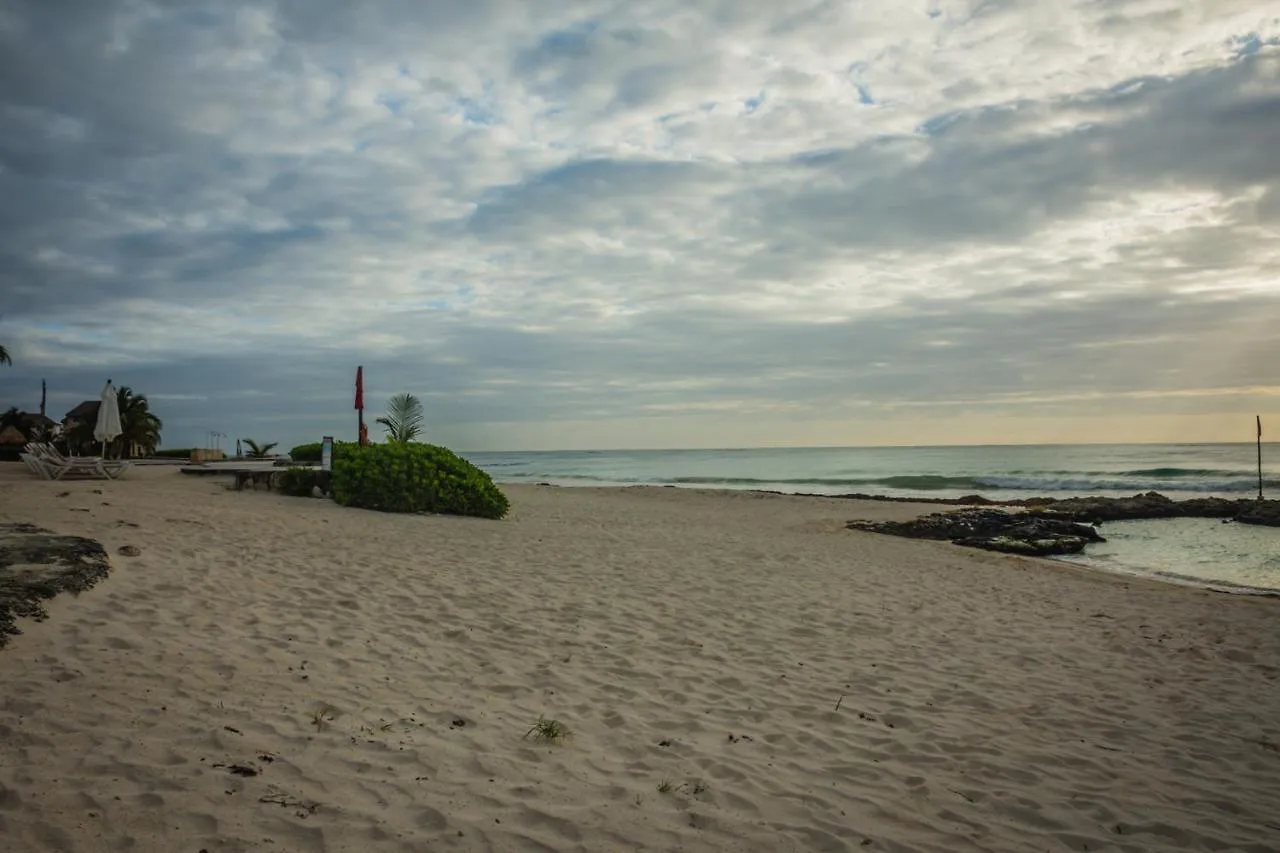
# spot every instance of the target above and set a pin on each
(1147, 505)
(1095, 510)
(993, 530)
(36, 565)
(1261, 512)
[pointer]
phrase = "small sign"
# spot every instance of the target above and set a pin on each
(326, 453)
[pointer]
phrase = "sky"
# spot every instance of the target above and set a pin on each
(632, 224)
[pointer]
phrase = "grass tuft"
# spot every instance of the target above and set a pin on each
(548, 731)
(322, 716)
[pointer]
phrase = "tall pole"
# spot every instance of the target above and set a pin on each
(360, 405)
(1259, 457)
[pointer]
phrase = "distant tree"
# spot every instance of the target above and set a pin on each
(12, 418)
(258, 451)
(4, 356)
(403, 421)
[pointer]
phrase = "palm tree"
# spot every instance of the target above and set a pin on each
(4, 357)
(258, 451)
(403, 421)
(140, 429)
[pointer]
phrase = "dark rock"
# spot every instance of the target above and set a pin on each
(128, 550)
(1260, 512)
(1212, 507)
(993, 530)
(1045, 547)
(36, 564)
(1148, 505)
(1095, 510)
(1156, 505)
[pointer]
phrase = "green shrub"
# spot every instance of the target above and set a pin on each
(414, 478)
(306, 452)
(174, 453)
(311, 452)
(300, 481)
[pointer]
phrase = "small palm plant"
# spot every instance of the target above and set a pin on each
(258, 451)
(403, 421)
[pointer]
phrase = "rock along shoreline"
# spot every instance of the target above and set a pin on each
(1053, 526)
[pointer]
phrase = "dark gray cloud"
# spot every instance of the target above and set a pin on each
(607, 213)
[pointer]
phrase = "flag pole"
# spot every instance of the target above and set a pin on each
(360, 405)
(1259, 457)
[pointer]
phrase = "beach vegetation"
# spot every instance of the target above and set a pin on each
(403, 420)
(312, 451)
(173, 453)
(547, 731)
(309, 452)
(258, 451)
(4, 356)
(140, 428)
(323, 715)
(412, 477)
(299, 482)
(697, 786)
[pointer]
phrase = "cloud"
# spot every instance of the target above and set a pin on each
(604, 214)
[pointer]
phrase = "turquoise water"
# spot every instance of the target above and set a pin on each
(1178, 470)
(1203, 551)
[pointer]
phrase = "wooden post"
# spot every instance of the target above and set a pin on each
(1259, 457)
(360, 405)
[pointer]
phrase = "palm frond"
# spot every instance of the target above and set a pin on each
(258, 451)
(403, 420)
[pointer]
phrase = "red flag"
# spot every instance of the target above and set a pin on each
(360, 388)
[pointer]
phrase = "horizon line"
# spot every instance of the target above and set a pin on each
(874, 446)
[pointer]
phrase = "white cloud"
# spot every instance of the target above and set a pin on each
(711, 209)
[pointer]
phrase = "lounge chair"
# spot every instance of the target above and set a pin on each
(35, 465)
(54, 466)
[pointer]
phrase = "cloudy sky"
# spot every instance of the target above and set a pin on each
(648, 223)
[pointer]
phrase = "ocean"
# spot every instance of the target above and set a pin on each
(1177, 470)
(1190, 550)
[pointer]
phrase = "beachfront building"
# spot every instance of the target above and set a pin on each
(38, 425)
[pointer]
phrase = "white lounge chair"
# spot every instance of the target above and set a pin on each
(35, 465)
(54, 466)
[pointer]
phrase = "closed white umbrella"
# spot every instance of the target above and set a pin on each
(108, 426)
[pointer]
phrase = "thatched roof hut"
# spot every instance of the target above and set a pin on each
(13, 436)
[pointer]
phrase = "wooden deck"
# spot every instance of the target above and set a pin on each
(246, 473)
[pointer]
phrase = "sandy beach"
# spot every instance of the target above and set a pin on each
(283, 674)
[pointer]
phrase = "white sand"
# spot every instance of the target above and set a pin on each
(989, 703)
